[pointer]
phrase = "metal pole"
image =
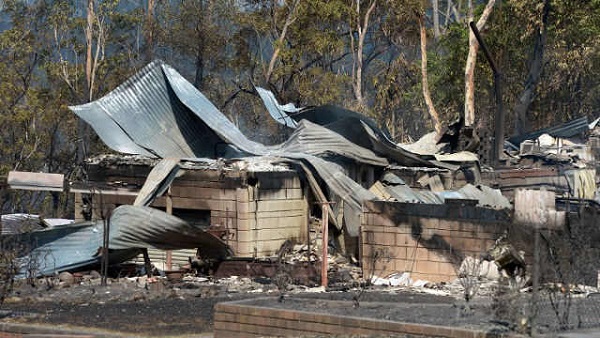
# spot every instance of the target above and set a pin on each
(536, 280)
(170, 212)
(325, 221)
(105, 244)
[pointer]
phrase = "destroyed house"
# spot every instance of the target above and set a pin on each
(186, 178)
(252, 205)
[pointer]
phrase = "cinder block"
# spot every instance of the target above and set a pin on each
(246, 224)
(382, 238)
(430, 223)
(294, 193)
(403, 239)
(438, 256)
(426, 267)
(382, 220)
(242, 195)
(421, 254)
(403, 265)
(398, 252)
(268, 234)
(447, 269)
(272, 194)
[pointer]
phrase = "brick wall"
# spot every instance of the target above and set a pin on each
(241, 319)
(429, 241)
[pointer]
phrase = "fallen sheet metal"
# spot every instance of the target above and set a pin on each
(12, 224)
(278, 112)
(391, 187)
(158, 181)
(67, 247)
(145, 227)
(62, 248)
(565, 130)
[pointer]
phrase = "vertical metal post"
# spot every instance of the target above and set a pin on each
(325, 221)
(147, 263)
(536, 280)
(170, 212)
(308, 252)
(105, 244)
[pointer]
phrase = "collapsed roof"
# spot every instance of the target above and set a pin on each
(157, 113)
(160, 115)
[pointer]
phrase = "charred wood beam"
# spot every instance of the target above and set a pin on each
(499, 118)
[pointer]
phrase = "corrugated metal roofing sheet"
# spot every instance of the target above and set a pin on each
(73, 246)
(12, 224)
(565, 130)
(159, 113)
(278, 112)
(395, 187)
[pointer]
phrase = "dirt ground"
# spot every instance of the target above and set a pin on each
(161, 307)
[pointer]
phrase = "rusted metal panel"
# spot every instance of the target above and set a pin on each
(35, 181)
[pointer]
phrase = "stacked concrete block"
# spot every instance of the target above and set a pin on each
(259, 211)
(396, 239)
(273, 211)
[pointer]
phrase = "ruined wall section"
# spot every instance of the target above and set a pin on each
(254, 212)
(428, 241)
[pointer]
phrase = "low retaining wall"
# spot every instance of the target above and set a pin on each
(242, 319)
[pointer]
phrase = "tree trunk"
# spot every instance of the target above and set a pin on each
(471, 62)
(362, 28)
(291, 17)
(89, 40)
(199, 77)
(82, 127)
(150, 31)
(436, 19)
(533, 78)
(425, 83)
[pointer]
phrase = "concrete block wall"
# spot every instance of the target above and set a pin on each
(418, 238)
(259, 217)
(270, 212)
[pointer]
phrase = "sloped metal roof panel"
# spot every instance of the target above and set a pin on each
(158, 181)
(312, 139)
(146, 116)
(278, 112)
(565, 130)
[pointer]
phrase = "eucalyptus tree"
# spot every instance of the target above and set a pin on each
(29, 117)
(196, 36)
